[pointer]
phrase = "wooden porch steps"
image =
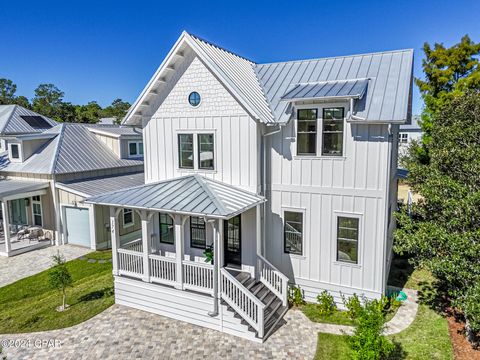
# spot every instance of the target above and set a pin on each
(274, 310)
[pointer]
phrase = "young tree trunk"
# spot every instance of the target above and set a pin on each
(64, 298)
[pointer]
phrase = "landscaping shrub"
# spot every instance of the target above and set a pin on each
(60, 278)
(326, 304)
(471, 309)
(353, 305)
(295, 296)
(367, 341)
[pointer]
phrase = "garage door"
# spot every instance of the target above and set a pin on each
(77, 224)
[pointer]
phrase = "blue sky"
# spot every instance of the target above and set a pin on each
(102, 50)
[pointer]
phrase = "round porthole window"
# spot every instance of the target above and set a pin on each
(194, 98)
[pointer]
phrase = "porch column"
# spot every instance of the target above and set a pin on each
(115, 236)
(6, 226)
(145, 216)
(220, 254)
(179, 248)
(216, 268)
(259, 239)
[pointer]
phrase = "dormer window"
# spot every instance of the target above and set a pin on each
(15, 152)
(135, 149)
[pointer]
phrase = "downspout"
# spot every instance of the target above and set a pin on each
(386, 214)
(263, 190)
(353, 117)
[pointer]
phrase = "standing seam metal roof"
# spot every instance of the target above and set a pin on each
(11, 121)
(328, 89)
(192, 194)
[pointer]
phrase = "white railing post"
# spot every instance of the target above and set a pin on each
(144, 216)
(6, 226)
(115, 237)
(179, 246)
(273, 279)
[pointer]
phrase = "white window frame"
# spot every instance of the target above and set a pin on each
(401, 137)
(137, 147)
(37, 202)
(360, 240)
(20, 152)
(130, 224)
(319, 138)
(195, 134)
(304, 224)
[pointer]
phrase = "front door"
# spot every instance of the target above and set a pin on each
(233, 236)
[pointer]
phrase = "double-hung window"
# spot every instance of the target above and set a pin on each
(307, 132)
(128, 218)
(37, 211)
(15, 151)
(198, 234)
(166, 229)
(135, 149)
(293, 232)
(347, 239)
(196, 151)
(332, 140)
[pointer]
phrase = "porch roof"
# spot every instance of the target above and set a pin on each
(189, 195)
(9, 188)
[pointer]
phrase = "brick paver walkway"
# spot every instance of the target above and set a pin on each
(30, 263)
(125, 333)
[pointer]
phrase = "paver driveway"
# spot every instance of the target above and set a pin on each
(125, 333)
(17, 267)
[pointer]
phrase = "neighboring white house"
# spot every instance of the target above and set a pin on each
(48, 169)
(409, 133)
(285, 171)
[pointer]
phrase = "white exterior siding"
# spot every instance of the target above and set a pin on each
(236, 133)
(324, 187)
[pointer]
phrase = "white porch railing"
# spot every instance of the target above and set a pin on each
(242, 301)
(273, 279)
(162, 269)
(130, 263)
(197, 276)
(134, 245)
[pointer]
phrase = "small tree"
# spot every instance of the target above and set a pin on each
(60, 277)
(367, 341)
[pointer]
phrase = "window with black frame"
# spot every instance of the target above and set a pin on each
(185, 151)
(347, 239)
(198, 234)
(205, 151)
(307, 132)
(293, 232)
(332, 141)
(166, 229)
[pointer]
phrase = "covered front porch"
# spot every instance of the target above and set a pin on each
(198, 236)
(22, 223)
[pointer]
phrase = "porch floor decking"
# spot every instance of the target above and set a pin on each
(20, 246)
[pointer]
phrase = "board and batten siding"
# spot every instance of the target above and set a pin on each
(324, 188)
(237, 144)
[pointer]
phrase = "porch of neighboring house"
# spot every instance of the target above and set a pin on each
(22, 217)
(185, 222)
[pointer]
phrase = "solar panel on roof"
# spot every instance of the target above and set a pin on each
(36, 121)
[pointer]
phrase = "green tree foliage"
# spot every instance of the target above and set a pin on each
(443, 230)
(367, 341)
(7, 91)
(118, 109)
(448, 72)
(48, 101)
(89, 113)
(60, 277)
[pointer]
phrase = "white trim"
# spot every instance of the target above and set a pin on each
(304, 227)
(39, 202)
(20, 158)
(195, 134)
(130, 224)
(137, 147)
(360, 240)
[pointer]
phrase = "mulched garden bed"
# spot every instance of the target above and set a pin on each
(462, 348)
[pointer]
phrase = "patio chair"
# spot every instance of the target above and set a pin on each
(35, 234)
(21, 234)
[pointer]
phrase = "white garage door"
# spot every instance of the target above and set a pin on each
(77, 225)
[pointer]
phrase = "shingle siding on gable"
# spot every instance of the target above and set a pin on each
(237, 141)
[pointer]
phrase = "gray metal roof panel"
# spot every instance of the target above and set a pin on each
(101, 185)
(191, 194)
(11, 187)
(388, 91)
(11, 121)
(354, 88)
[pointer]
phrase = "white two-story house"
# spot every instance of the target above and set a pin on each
(284, 173)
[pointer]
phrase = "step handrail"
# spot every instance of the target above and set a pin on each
(273, 279)
(245, 304)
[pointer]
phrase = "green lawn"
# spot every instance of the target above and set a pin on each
(29, 304)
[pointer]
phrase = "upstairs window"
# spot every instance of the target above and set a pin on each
(37, 211)
(293, 232)
(166, 229)
(205, 151)
(135, 149)
(185, 151)
(198, 234)
(15, 151)
(128, 218)
(347, 239)
(403, 138)
(332, 142)
(307, 132)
